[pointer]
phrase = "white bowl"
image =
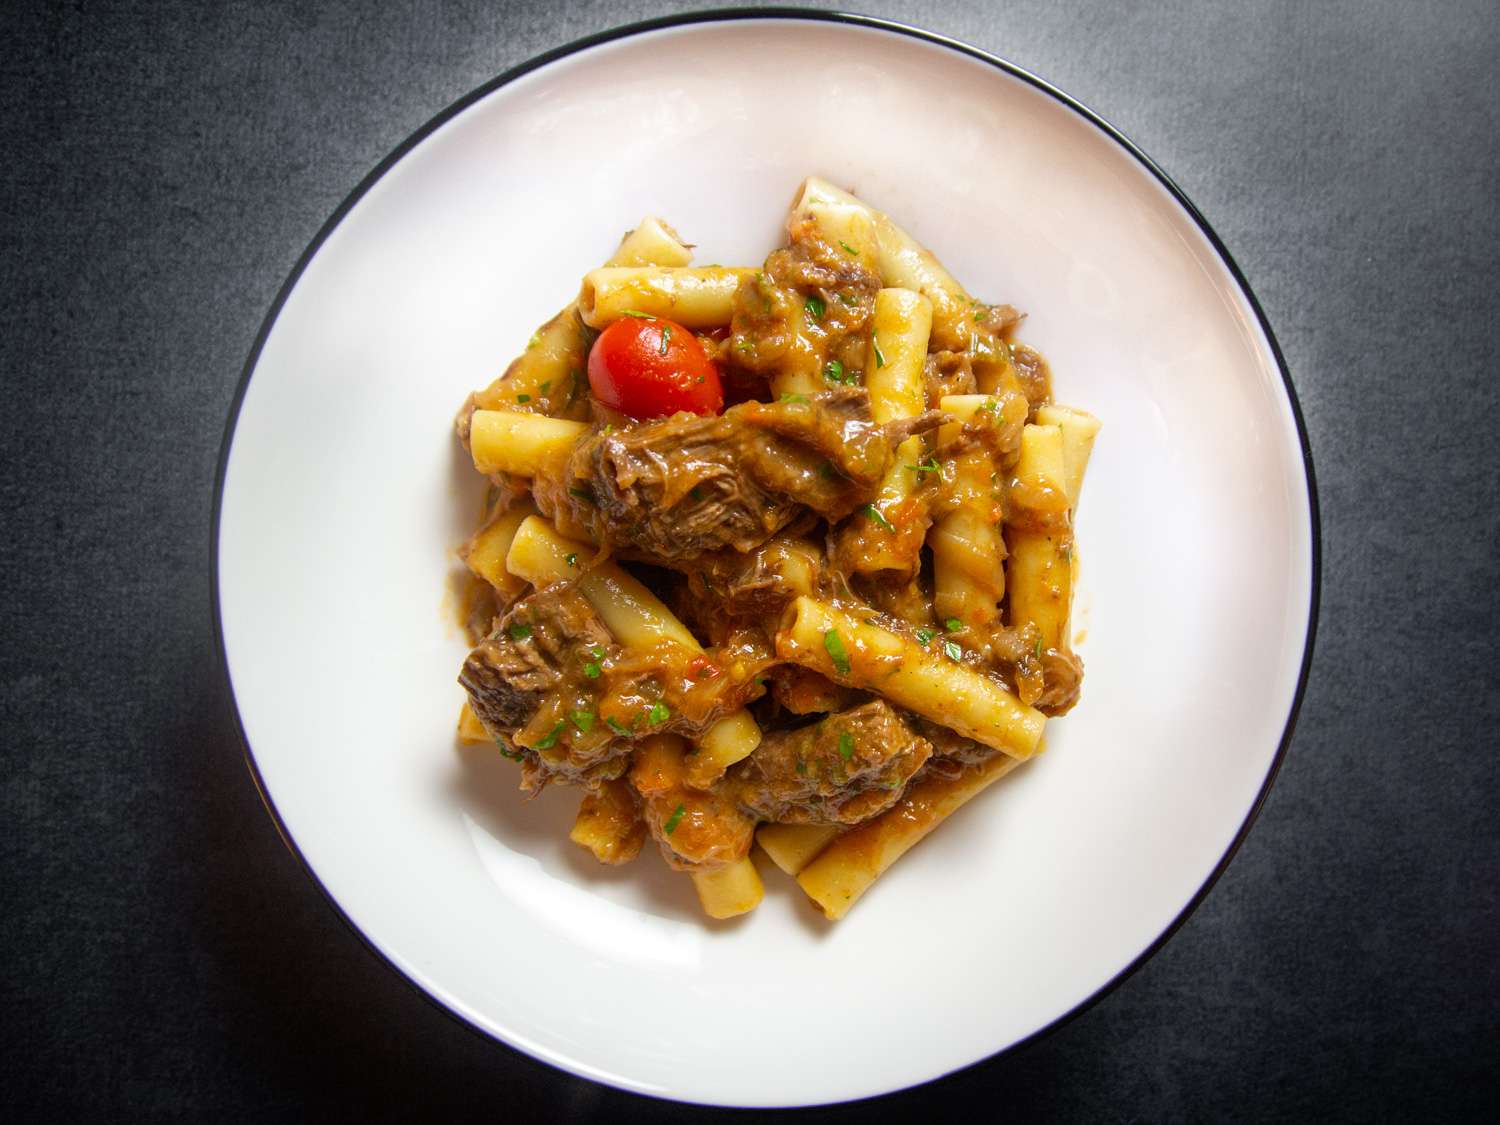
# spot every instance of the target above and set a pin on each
(343, 494)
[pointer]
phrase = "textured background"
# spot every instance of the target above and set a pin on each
(164, 167)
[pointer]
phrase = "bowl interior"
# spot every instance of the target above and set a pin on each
(345, 495)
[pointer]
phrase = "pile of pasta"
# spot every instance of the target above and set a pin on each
(947, 594)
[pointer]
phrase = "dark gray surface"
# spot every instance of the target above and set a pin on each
(164, 954)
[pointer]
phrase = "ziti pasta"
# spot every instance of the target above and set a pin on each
(780, 553)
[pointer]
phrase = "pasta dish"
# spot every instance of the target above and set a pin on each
(776, 557)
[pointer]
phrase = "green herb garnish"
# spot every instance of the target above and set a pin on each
(571, 558)
(639, 315)
(848, 300)
(879, 355)
(835, 646)
(592, 670)
(519, 631)
(549, 740)
(848, 248)
(546, 386)
(506, 752)
(815, 307)
(924, 636)
(789, 397)
(953, 651)
(846, 746)
(953, 624)
(583, 720)
(673, 821)
(617, 728)
(666, 336)
(658, 714)
(875, 514)
(834, 372)
(1036, 649)
(928, 466)
(523, 398)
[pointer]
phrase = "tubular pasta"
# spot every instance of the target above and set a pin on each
(792, 847)
(850, 864)
(503, 441)
(939, 688)
(697, 298)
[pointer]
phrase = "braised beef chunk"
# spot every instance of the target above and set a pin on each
(801, 691)
(685, 485)
(759, 582)
(1062, 675)
(806, 316)
(948, 373)
(840, 770)
(694, 827)
(510, 672)
(1033, 374)
(952, 753)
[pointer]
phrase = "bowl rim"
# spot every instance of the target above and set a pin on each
(730, 15)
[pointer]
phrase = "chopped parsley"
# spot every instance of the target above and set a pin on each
(846, 746)
(594, 667)
(549, 740)
(505, 752)
(583, 720)
(673, 821)
(546, 386)
(523, 398)
(834, 372)
(1036, 649)
(639, 315)
(848, 248)
(789, 397)
(658, 714)
(928, 466)
(617, 728)
(953, 651)
(877, 516)
(836, 651)
(519, 631)
(571, 558)
(848, 300)
(924, 636)
(666, 338)
(879, 355)
(953, 624)
(815, 307)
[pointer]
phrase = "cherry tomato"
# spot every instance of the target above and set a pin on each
(649, 367)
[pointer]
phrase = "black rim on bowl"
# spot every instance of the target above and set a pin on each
(731, 15)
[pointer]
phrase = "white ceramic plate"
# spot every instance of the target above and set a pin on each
(343, 495)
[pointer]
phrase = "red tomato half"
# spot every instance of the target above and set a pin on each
(649, 367)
